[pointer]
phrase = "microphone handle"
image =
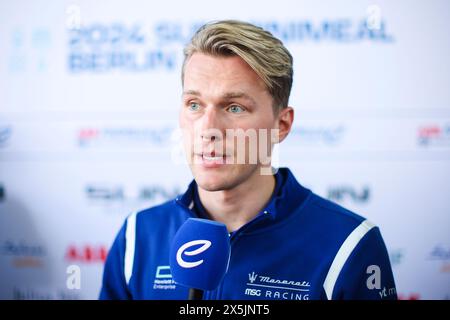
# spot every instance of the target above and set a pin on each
(195, 294)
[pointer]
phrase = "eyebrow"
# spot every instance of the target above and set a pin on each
(226, 96)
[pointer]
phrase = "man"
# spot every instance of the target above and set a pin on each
(286, 242)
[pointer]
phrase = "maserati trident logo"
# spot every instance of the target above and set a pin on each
(205, 245)
(252, 277)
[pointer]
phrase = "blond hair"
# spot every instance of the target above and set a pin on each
(264, 53)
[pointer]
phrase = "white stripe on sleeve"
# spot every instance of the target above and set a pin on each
(130, 240)
(344, 252)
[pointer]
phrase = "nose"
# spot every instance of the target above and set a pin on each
(211, 129)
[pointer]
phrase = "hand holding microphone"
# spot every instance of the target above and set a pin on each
(199, 255)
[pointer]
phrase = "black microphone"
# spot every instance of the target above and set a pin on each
(195, 294)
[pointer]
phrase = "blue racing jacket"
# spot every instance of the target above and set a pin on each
(299, 247)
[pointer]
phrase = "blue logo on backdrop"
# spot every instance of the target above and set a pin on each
(5, 135)
(29, 50)
(396, 256)
(347, 192)
(21, 249)
(118, 46)
(343, 30)
(442, 253)
(328, 135)
(23, 254)
(109, 193)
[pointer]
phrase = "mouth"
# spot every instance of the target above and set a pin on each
(210, 160)
(216, 158)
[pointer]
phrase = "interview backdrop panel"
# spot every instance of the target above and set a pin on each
(89, 99)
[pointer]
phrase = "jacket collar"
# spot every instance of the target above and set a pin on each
(290, 196)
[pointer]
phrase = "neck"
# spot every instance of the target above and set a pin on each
(237, 206)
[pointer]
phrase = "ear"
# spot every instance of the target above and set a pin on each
(285, 120)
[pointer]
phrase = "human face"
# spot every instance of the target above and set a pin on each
(221, 94)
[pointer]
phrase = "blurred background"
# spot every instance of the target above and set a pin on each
(89, 98)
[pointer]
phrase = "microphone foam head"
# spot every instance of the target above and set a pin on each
(200, 254)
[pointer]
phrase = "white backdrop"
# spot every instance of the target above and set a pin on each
(89, 95)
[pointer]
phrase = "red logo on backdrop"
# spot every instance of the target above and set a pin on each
(87, 134)
(430, 131)
(434, 135)
(86, 254)
(411, 296)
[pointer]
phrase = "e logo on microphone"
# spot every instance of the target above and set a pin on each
(205, 245)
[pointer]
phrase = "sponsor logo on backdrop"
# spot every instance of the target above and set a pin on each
(318, 135)
(441, 253)
(345, 193)
(30, 293)
(434, 135)
(23, 254)
(396, 256)
(86, 253)
(344, 30)
(29, 50)
(5, 135)
(107, 193)
(2, 193)
(101, 48)
(134, 47)
(264, 286)
(408, 296)
(128, 137)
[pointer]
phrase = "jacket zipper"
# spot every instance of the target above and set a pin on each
(233, 239)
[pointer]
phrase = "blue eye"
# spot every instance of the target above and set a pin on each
(235, 109)
(194, 106)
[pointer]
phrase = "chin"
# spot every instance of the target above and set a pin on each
(225, 178)
(212, 181)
